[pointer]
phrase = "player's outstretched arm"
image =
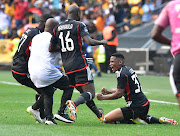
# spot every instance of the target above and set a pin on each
(115, 94)
(104, 91)
(93, 42)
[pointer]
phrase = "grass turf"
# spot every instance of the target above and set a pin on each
(14, 121)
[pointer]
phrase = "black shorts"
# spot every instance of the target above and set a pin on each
(80, 78)
(133, 113)
(24, 80)
(62, 83)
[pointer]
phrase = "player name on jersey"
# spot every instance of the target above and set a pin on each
(63, 27)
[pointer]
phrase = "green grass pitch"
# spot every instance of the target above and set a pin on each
(14, 121)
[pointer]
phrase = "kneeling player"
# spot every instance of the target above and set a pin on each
(128, 86)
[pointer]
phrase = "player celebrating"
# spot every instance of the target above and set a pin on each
(170, 15)
(128, 86)
(69, 36)
(21, 57)
(45, 75)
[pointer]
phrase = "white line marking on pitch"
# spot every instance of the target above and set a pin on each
(156, 101)
(9, 83)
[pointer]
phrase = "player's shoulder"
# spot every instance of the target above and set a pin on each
(32, 31)
(82, 23)
(170, 3)
(173, 2)
(125, 71)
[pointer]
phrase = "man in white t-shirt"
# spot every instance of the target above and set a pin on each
(46, 76)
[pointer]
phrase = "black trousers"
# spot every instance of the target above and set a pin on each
(47, 95)
(25, 80)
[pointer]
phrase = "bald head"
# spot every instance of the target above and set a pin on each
(73, 12)
(50, 25)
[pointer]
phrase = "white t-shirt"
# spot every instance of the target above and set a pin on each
(41, 62)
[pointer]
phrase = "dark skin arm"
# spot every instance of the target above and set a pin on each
(113, 94)
(93, 42)
(156, 34)
(87, 39)
(54, 48)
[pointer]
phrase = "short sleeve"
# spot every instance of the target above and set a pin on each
(83, 30)
(163, 19)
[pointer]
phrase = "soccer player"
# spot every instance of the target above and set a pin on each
(21, 57)
(45, 75)
(170, 16)
(128, 86)
(69, 36)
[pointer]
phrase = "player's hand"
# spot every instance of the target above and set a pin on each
(104, 42)
(104, 91)
(99, 96)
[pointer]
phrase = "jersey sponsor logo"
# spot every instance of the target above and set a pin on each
(27, 31)
(177, 7)
(177, 30)
(63, 27)
(85, 29)
(131, 71)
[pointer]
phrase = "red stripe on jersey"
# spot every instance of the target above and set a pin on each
(178, 94)
(76, 70)
(71, 86)
(27, 50)
(127, 87)
(78, 85)
(54, 31)
(133, 114)
(146, 103)
(82, 84)
(19, 73)
(80, 44)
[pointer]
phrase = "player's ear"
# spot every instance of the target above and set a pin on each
(120, 62)
(78, 14)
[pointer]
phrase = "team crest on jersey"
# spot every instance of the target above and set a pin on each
(85, 29)
(27, 31)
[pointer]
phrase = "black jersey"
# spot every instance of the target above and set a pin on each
(21, 57)
(128, 80)
(69, 37)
